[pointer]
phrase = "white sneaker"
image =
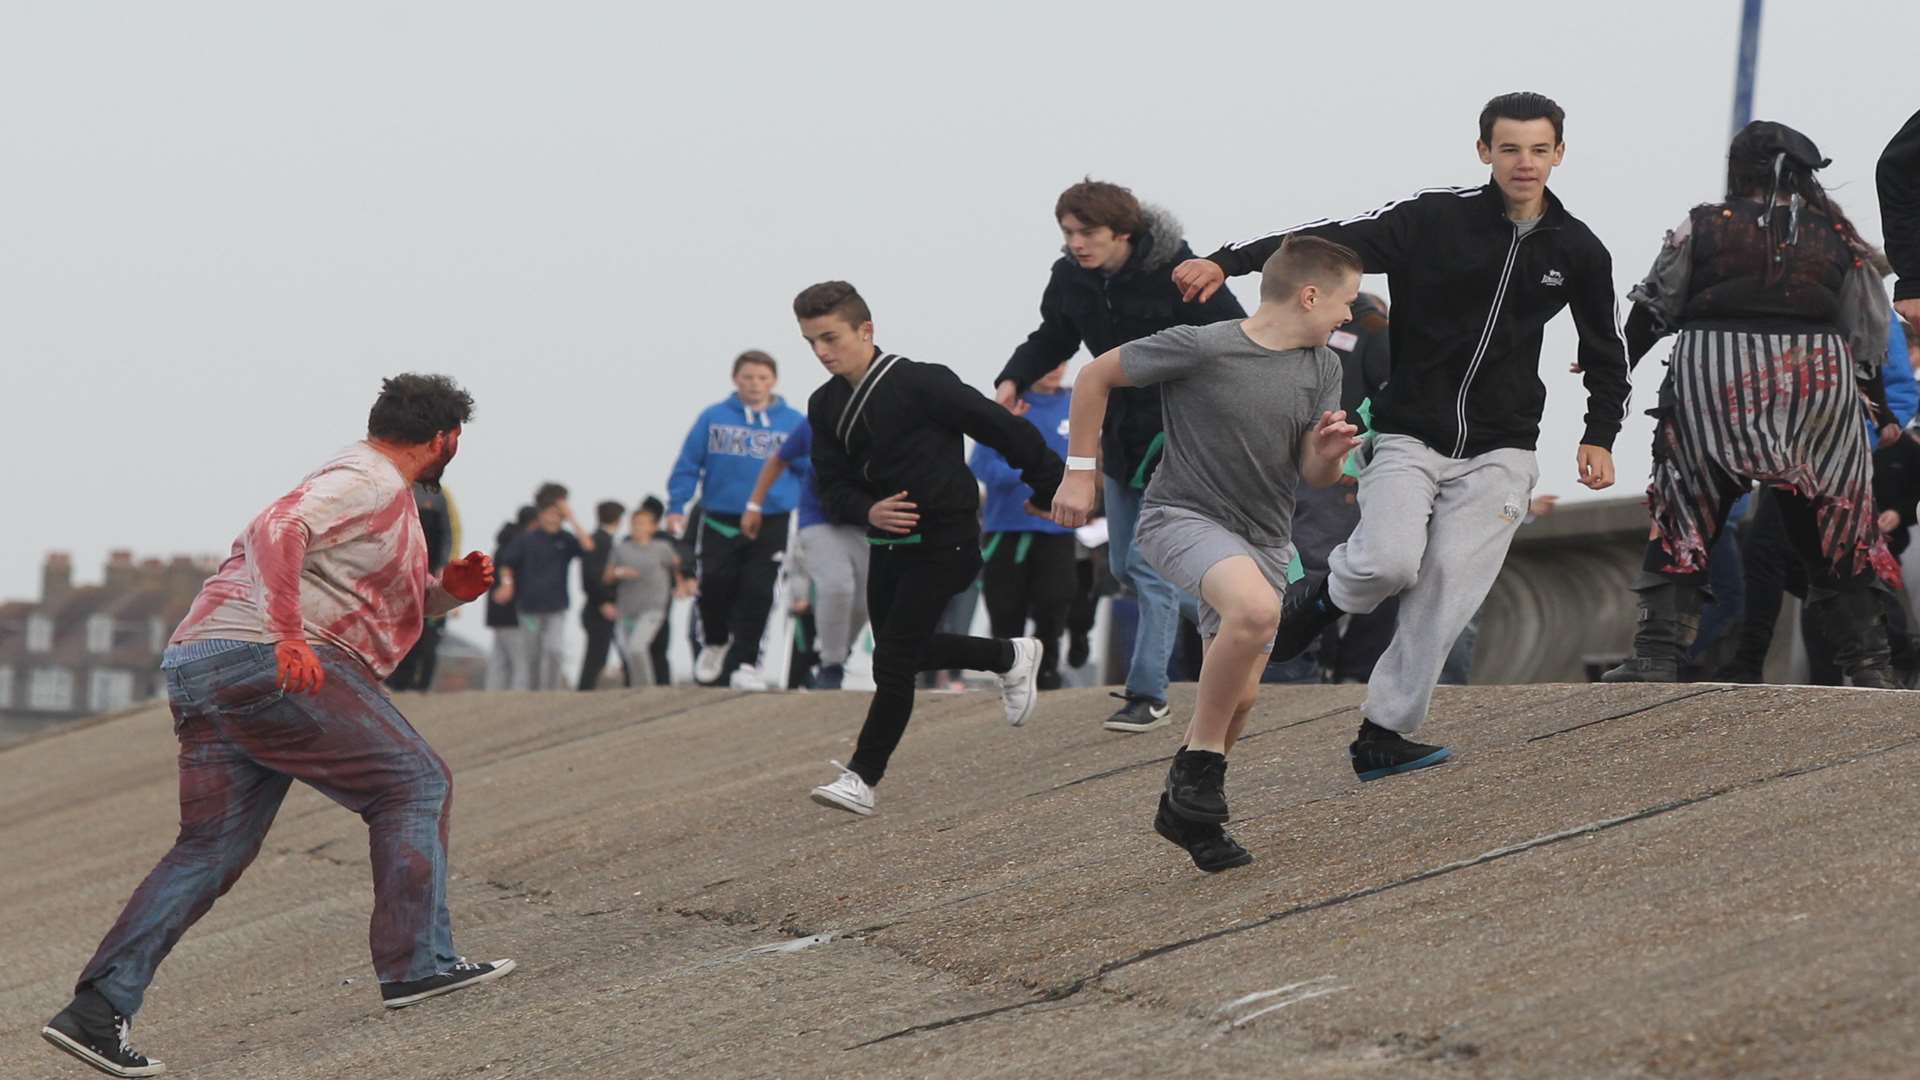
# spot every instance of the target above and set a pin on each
(1017, 690)
(713, 658)
(748, 677)
(847, 793)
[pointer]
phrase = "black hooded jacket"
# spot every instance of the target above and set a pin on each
(1082, 306)
(1899, 182)
(1471, 297)
(903, 429)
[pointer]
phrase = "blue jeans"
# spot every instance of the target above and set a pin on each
(1161, 604)
(243, 741)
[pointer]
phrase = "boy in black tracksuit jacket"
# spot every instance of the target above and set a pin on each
(1476, 275)
(888, 449)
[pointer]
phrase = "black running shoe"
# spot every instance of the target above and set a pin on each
(1079, 650)
(1305, 612)
(1379, 753)
(1196, 786)
(830, 677)
(399, 995)
(1209, 846)
(96, 1033)
(1138, 714)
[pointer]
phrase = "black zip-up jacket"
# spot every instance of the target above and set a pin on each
(1899, 183)
(902, 429)
(1471, 296)
(1082, 306)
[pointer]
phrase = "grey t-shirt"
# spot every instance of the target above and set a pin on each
(650, 590)
(1235, 413)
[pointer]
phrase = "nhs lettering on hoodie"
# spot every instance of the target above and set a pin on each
(723, 455)
(1006, 509)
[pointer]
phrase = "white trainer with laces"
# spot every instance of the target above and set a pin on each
(711, 661)
(1018, 691)
(847, 793)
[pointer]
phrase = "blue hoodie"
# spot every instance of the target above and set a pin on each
(723, 455)
(1903, 397)
(1006, 495)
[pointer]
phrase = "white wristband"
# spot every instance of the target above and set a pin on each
(1081, 464)
(753, 508)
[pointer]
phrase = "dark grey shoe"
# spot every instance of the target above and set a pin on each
(1138, 714)
(96, 1033)
(1209, 846)
(399, 995)
(1197, 786)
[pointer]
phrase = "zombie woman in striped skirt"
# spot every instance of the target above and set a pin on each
(1782, 328)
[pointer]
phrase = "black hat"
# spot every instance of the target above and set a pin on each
(1763, 140)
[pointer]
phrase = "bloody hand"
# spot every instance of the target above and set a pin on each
(469, 578)
(296, 669)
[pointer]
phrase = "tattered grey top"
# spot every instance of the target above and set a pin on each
(1862, 320)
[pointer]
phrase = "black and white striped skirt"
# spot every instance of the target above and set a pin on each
(1781, 409)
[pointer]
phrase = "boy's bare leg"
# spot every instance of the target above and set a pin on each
(1230, 671)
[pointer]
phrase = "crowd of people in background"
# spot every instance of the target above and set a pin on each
(741, 512)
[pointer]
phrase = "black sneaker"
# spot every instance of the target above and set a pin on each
(1196, 786)
(1305, 612)
(1380, 753)
(830, 677)
(1209, 846)
(96, 1033)
(1079, 651)
(1138, 714)
(399, 995)
(1046, 680)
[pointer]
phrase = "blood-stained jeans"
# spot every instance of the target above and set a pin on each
(243, 742)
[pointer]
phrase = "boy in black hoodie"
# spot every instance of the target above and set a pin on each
(889, 450)
(1476, 274)
(1899, 182)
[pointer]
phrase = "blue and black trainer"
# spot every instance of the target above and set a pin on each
(1379, 753)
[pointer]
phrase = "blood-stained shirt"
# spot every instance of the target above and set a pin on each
(339, 560)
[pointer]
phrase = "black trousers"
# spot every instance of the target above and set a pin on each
(599, 645)
(736, 583)
(1086, 599)
(1029, 575)
(415, 670)
(657, 649)
(908, 587)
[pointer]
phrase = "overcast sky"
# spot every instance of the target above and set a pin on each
(225, 222)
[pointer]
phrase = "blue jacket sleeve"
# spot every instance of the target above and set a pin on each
(990, 468)
(685, 478)
(1903, 395)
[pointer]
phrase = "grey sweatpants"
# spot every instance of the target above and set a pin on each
(1435, 531)
(544, 652)
(834, 559)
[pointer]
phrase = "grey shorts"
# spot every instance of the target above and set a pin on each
(1183, 546)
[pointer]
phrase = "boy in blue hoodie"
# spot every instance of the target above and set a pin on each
(1029, 571)
(722, 458)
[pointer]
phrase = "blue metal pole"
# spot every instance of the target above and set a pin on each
(1749, 57)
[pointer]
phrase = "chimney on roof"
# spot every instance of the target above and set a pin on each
(56, 578)
(121, 571)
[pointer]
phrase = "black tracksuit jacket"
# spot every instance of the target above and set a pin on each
(1471, 297)
(1899, 183)
(903, 429)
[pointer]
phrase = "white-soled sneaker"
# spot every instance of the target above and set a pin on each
(711, 661)
(1017, 689)
(748, 677)
(465, 973)
(847, 793)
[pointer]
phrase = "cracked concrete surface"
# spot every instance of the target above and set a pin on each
(1606, 882)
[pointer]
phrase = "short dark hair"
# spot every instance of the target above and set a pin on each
(1096, 203)
(609, 512)
(525, 516)
(412, 409)
(1524, 105)
(832, 298)
(755, 356)
(651, 505)
(1306, 260)
(548, 494)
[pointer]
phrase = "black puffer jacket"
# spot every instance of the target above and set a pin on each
(1899, 182)
(1082, 306)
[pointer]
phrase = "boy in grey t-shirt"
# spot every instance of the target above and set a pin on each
(643, 566)
(1250, 408)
